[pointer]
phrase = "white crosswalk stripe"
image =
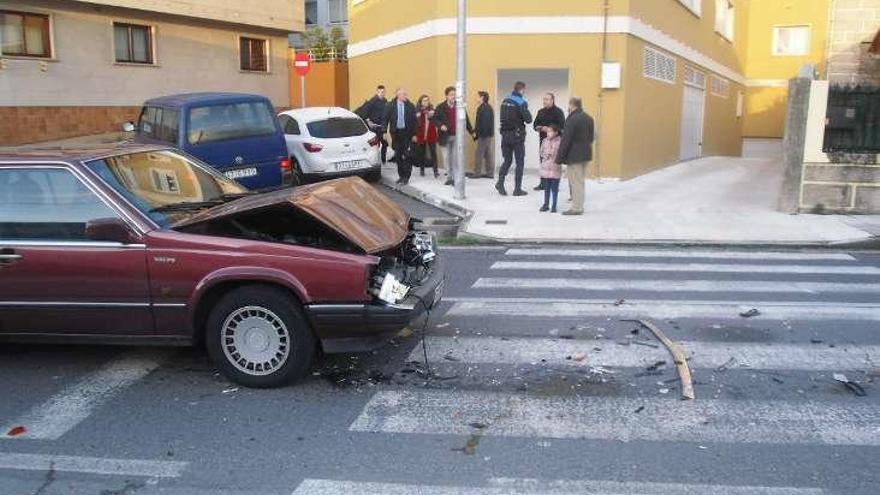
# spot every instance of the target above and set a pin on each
(662, 309)
(504, 486)
(616, 418)
(685, 267)
(93, 465)
(63, 411)
(672, 285)
(665, 253)
(483, 350)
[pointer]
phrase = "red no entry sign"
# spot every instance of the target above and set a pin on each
(302, 63)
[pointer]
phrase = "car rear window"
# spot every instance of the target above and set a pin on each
(342, 127)
(229, 121)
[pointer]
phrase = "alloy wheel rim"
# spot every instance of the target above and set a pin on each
(255, 340)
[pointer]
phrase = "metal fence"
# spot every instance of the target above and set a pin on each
(327, 54)
(853, 120)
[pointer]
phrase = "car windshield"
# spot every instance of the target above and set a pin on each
(165, 185)
(229, 121)
(337, 127)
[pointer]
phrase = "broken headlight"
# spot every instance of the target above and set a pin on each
(392, 291)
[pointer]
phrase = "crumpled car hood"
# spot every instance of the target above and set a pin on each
(349, 206)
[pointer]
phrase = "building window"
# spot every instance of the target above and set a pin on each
(725, 18)
(694, 77)
(133, 43)
(338, 12)
(254, 54)
(659, 66)
(312, 13)
(791, 40)
(25, 34)
(695, 6)
(720, 87)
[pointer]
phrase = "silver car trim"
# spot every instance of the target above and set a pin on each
(84, 244)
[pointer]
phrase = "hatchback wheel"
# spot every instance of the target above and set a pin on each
(258, 337)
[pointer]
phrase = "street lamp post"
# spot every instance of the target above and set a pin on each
(461, 101)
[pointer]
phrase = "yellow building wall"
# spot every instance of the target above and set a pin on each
(722, 129)
(765, 104)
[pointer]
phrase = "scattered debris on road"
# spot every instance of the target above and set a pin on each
(851, 385)
(750, 313)
(620, 302)
(16, 431)
(678, 356)
(727, 365)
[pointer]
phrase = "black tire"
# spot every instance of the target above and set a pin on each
(297, 179)
(373, 177)
(276, 316)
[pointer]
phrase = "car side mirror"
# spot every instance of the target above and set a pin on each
(129, 126)
(110, 230)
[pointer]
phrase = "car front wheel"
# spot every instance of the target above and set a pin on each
(259, 337)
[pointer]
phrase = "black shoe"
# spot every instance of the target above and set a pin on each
(487, 176)
(436, 174)
(471, 176)
(544, 208)
(500, 188)
(422, 172)
(519, 192)
(449, 182)
(539, 187)
(553, 210)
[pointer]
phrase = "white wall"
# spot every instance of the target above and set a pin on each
(189, 57)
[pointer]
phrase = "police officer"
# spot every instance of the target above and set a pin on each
(514, 117)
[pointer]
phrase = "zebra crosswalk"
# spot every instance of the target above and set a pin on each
(510, 315)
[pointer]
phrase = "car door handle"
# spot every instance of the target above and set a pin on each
(8, 256)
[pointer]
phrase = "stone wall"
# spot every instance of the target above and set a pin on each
(838, 182)
(854, 23)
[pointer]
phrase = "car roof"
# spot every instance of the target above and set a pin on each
(75, 154)
(205, 98)
(312, 114)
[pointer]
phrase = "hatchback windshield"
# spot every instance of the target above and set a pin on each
(342, 127)
(229, 121)
(165, 185)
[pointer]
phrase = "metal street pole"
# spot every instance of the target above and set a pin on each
(302, 88)
(461, 101)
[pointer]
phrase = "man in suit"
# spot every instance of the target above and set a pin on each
(400, 118)
(575, 151)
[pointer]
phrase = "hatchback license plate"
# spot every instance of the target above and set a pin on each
(350, 165)
(241, 173)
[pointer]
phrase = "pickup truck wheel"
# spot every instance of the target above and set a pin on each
(258, 337)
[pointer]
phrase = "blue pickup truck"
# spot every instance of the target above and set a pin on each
(236, 133)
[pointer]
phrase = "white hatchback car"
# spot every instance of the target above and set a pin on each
(329, 142)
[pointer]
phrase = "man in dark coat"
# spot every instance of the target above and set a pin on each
(373, 113)
(514, 117)
(548, 115)
(400, 117)
(575, 151)
(484, 134)
(445, 121)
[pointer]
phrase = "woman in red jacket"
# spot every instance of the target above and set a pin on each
(426, 137)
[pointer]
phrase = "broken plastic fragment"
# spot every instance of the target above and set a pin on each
(16, 431)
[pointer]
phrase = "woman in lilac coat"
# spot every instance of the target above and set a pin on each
(551, 172)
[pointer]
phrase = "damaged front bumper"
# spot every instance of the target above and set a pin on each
(364, 327)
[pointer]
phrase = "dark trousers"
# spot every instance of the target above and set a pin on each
(400, 143)
(424, 160)
(541, 182)
(383, 146)
(509, 151)
(551, 191)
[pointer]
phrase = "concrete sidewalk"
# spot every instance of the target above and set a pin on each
(720, 200)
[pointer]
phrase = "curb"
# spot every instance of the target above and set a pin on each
(868, 244)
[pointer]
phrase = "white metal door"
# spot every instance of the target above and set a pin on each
(692, 123)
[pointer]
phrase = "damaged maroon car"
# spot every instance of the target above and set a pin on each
(144, 244)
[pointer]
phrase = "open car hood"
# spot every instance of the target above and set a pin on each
(349, 206)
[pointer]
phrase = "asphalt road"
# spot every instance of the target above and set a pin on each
(535, 386)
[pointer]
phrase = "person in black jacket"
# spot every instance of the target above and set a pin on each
(373, 113)
(444, 120)
(548, 116)
(575, 151)
(400, 117)
(484, 134)
(514, 117)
